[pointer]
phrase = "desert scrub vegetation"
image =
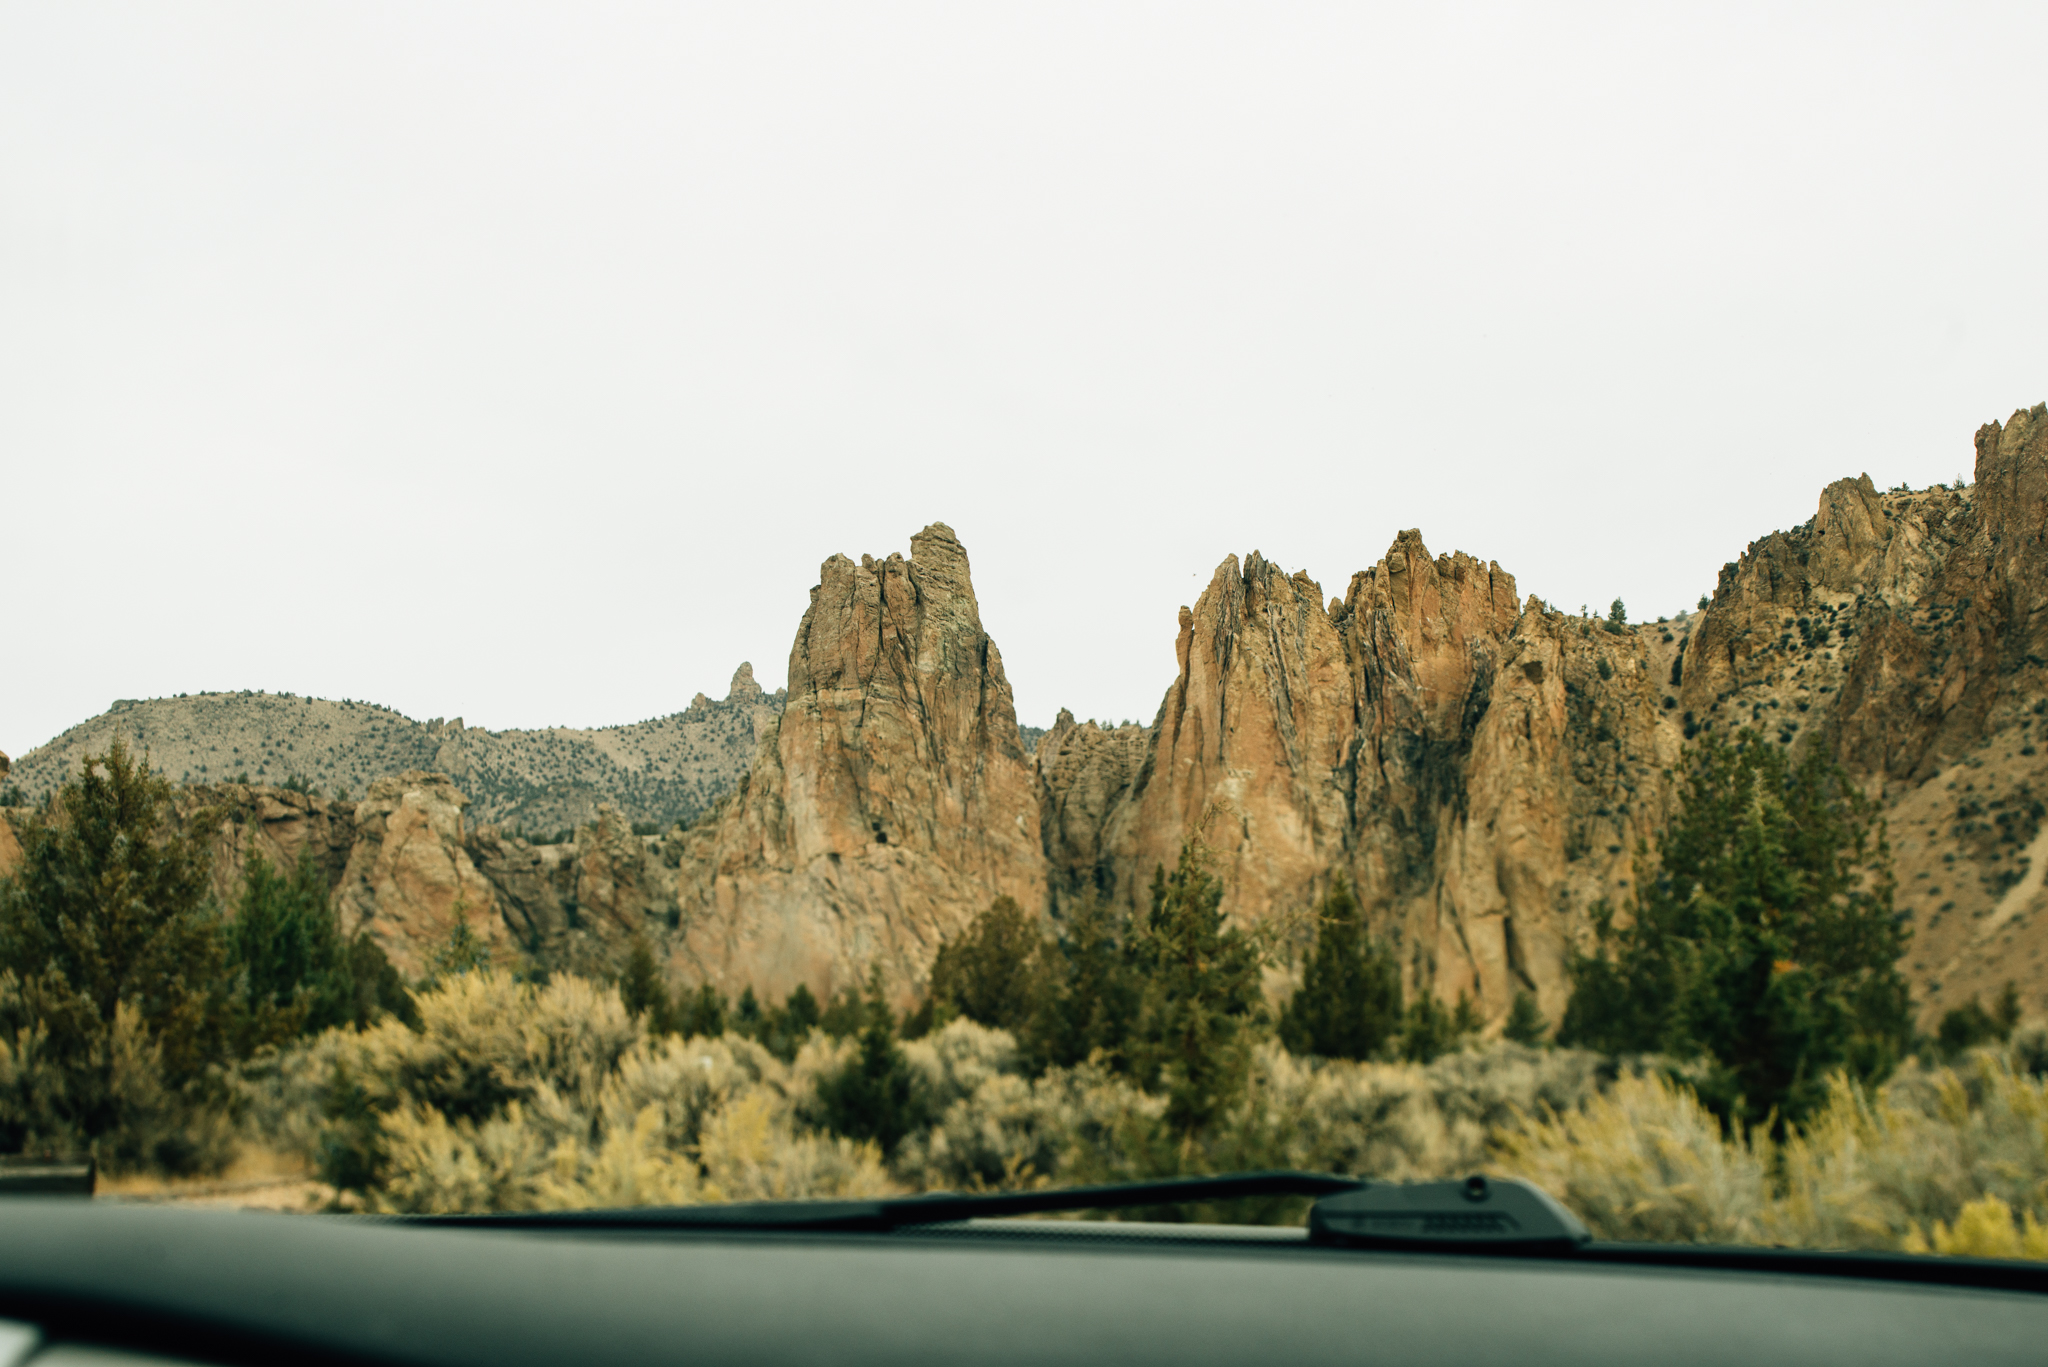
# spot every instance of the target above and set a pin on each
(519, 1096)
(1923, 1162)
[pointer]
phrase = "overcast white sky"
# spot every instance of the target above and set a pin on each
(523, 362)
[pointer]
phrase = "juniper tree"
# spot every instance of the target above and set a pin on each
(1349, 1004)
(1429, 1029)
(292, 970)
(108, 912)
(874, 1096)
(1525, 1023)
(1201, 993)
(701, 1013)
(992, 973)
(643, 992)
(1088, 999)
(1762, 940)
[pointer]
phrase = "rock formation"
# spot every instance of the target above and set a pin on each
(1473, 767)
(1482, 769)
(888, 803)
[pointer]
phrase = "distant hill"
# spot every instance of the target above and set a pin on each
(662, 771)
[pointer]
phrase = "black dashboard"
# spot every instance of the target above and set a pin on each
(81, 1280)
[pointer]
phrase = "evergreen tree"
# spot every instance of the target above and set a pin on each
(1201, 994)
(1088, 1000)
(746, 1014)
(1965, 1027)
(874, 1096)
(284, 946)
(1429, 1029)
(1763, 942)
(1525, 1023)
(643, 992)
(376, 987)
(846, 1014)
(798, 1016)
(702, 1014)
(991, 974)
(464, 951)
(109, 910)
(1349, 1005)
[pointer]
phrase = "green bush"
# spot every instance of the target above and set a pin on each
(1201, 999)
(875, 1096)
(113, 1004)
(1349, 1005)
(1965, 1027)
(1762, 942)
(992, 973)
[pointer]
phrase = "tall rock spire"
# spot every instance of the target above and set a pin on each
(890, 802)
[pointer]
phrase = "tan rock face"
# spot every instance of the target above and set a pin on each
(1481, 769)
(1477, 769)
(409, 879)
(1251, 752)
(282, 826)
(1085, 771)
(890, 802)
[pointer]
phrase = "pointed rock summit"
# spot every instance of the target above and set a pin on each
(891, 800)
(743, 688)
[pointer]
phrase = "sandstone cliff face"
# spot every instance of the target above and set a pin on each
(1085, 771)
(1477, 769)
(246, 820)
(409, 880)
(890, 801)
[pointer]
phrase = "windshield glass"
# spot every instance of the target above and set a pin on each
(830, 460)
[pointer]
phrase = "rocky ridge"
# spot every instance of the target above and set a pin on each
(659, 772)
(1480, 766)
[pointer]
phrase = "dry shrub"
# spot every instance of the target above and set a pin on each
(514, 1097)
(1644, 1161)
(1389, 1121)
(750, 1153)
(1404, 1122)
(1070, 1125)
(1938, 1158)
(1985, 1229)
(1872, 1171)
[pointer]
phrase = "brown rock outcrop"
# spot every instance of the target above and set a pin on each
(1085, 771)
(1477, 769)
(279, 824)
(890, 801)
(409, 878)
